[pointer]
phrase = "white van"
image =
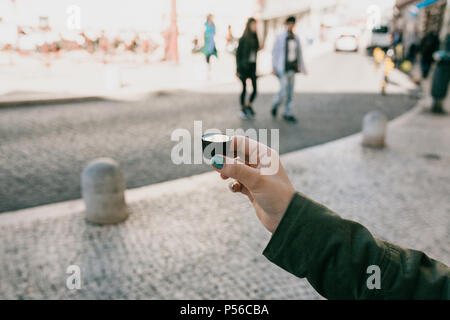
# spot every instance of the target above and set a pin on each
(379, 37)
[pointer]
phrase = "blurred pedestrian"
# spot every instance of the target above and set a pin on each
(209, 47)
(195, 45)
(322, 33)
(388, 66)
(104, 45)
(287, 60)
(246, 66)
(413, 49)
(230, 41)
(397, 44)
(428, 45)
(378, 57)
(441, 77)
(229, 37)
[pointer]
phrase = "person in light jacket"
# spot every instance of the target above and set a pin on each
(287, 60)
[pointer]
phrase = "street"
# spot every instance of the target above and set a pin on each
(44, 148)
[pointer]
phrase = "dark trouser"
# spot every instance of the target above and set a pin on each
(252, 76)
(441, 80)
(425, 65)
(439, 88)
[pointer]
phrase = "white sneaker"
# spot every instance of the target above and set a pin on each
(243, 115)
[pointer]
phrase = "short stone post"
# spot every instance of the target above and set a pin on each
(103, 187)
(374, 129)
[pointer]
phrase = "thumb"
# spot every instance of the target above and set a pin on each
(237, 169)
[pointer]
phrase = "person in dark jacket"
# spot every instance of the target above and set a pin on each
(441, 77)
(246, 54)
(340, 258)
(428, 45)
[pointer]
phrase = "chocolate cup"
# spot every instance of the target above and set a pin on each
(210, 148)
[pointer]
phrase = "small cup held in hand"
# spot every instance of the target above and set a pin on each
(215, 143)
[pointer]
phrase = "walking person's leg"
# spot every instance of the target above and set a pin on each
(208, 64)
(278, 99)
(243, 113)
(290, 83)
(255, 90)
(243, 93)
(252, 96)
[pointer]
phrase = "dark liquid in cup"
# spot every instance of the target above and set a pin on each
(214, 143)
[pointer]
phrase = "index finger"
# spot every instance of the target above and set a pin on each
(251, 151)
(246, 148)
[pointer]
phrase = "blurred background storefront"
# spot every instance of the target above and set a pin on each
(418, 17)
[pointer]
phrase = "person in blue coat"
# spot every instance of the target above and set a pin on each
(209, 47)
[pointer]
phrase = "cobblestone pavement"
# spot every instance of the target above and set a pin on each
(44, 148)
(193, 239)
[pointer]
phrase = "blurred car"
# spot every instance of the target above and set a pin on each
(379, 37)
(347, 39)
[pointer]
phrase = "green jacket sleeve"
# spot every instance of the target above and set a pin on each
(335, 254)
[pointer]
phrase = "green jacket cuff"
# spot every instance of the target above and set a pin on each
(335, 254)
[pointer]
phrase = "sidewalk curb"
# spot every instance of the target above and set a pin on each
(48, 101)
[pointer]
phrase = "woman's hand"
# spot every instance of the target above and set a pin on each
(257, 173)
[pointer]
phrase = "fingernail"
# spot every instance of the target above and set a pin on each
(217, 162)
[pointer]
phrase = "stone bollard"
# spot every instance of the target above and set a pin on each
(374, 129)
(102, 188)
